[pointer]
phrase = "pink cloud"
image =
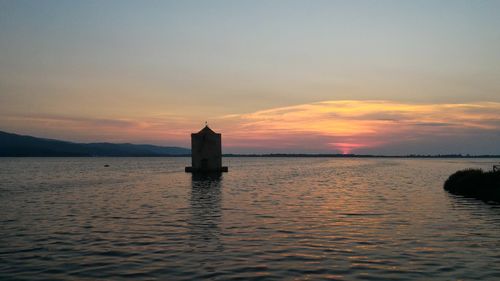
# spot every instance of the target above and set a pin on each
(347, 126)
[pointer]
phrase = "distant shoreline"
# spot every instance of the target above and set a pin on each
(14, 145)
(273, 155)
(360, 156)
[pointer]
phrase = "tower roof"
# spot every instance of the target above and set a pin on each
(206, 130)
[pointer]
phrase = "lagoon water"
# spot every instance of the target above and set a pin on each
(268, 218)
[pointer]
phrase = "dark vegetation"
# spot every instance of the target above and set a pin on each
(12, 145)
(475, 183)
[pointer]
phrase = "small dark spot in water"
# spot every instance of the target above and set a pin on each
(106, 165)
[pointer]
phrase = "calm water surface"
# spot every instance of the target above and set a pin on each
(268, 218)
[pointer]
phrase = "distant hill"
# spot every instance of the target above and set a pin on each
(17, 145)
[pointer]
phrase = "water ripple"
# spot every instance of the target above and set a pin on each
(267, 219)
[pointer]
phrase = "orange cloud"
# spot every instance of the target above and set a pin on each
(347, 126)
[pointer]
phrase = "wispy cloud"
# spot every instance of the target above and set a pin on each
(347, 126)
(350, 125)
(163, 129)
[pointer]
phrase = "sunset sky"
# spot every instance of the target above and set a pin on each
(378, 77)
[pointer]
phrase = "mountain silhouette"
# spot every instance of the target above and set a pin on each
(18, 145)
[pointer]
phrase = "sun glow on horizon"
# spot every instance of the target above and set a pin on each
(346, 126)
(352, 125)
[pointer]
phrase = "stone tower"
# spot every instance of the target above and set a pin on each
(206, 152)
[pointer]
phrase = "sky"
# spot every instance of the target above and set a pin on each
(376, 77)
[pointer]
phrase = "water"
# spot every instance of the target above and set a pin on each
(268, 218)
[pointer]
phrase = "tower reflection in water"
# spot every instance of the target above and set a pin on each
(204, 222)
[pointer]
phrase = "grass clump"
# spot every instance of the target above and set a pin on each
(475, 183)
